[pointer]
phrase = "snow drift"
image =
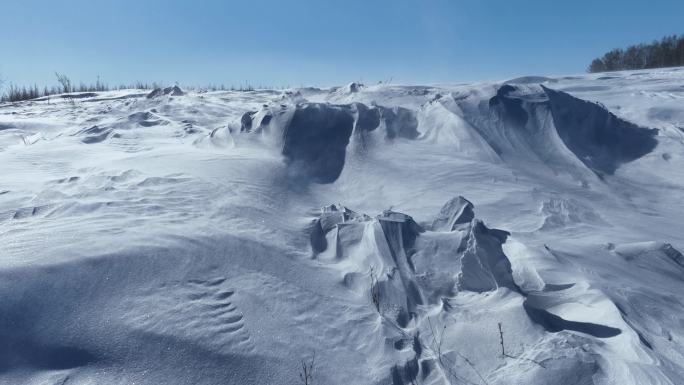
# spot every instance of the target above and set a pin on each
(399, 265)
(598, 138)
(557, 129)
(313, 137)
(196, 238)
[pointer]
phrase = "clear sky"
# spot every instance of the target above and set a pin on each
(318, 42)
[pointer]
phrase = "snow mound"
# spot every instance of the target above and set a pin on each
(354, 87)
(220, 137)
(95, 134)
(116, 130)
(315, 141)
(547, 308)
(401, 269)
(331, 217)
(530, 80)
(598, 138)
(559, 212)
(171, 91)
(146, 119)
(401, 253)
(399, 122)
(609, 293)
(457, 211)
(181, 239)
(313, 137)
(365, 118)
(650, 253)
(347, 90)
(534, 124)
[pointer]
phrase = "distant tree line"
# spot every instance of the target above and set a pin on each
(15, 93)
(668, 52)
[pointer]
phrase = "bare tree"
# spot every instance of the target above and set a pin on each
(67, 88)
(64, 81)
(504, 354)
(445, 363)
(306, 374)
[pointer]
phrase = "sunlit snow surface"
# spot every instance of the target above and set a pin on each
(163, 240)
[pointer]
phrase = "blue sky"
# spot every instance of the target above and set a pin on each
(324, 42)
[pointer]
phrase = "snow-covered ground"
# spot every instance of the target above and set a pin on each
(393, 231)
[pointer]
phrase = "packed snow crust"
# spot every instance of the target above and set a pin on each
(520, 232)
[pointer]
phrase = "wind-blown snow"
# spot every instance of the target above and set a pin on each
(181, 237)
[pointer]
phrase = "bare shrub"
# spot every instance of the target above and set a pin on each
(306, 373)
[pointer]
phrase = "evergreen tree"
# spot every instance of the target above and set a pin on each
(668, 52)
